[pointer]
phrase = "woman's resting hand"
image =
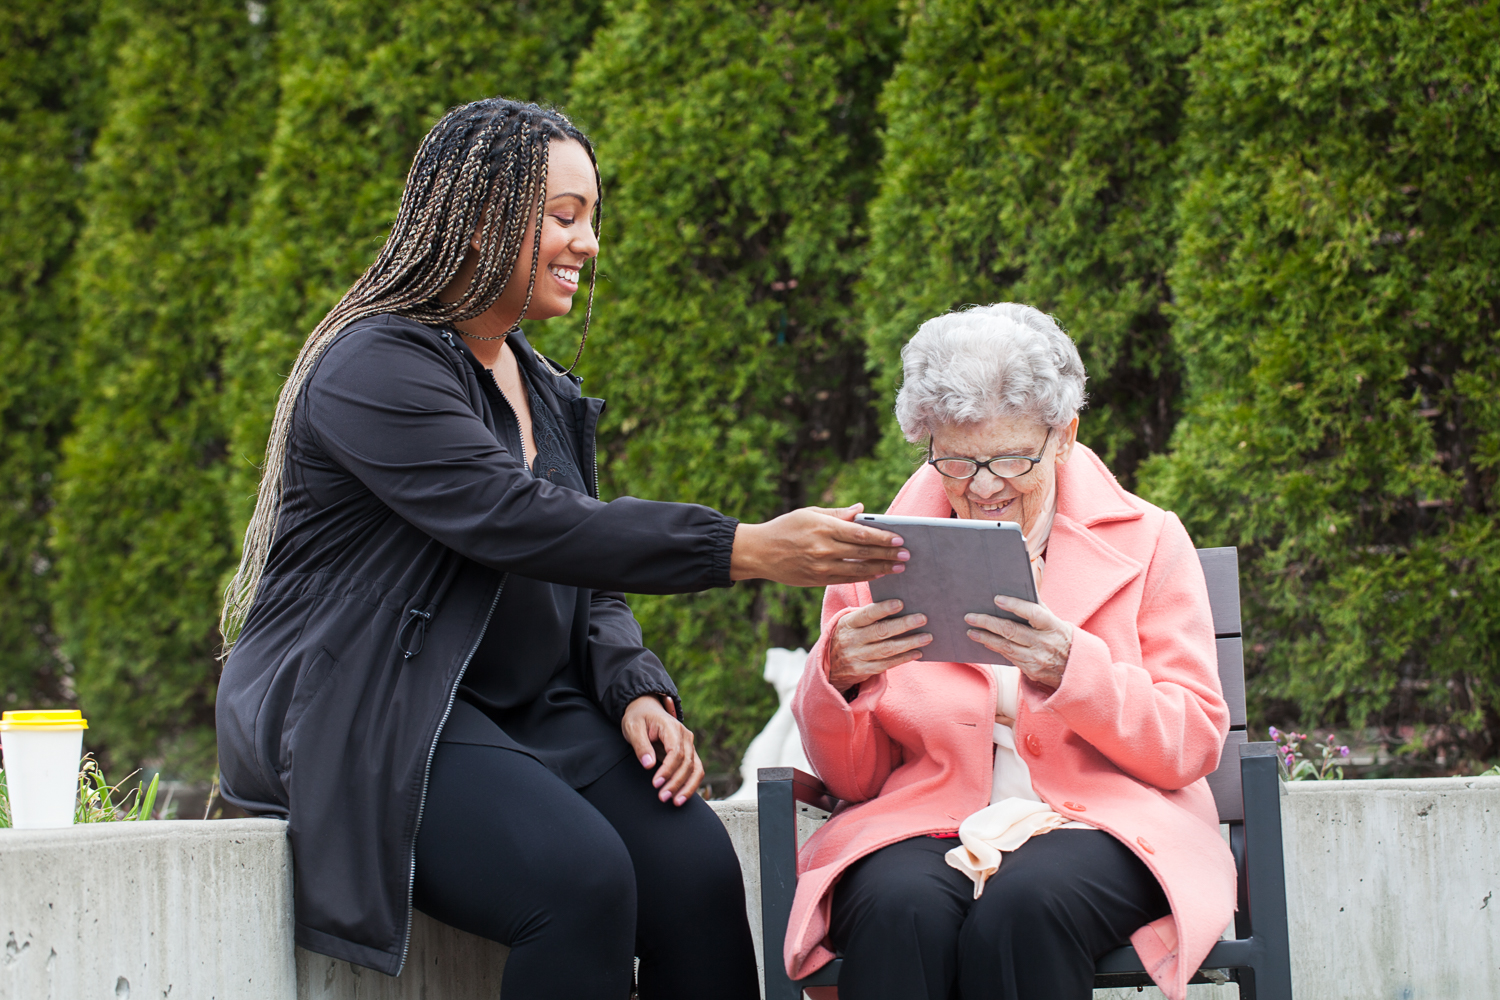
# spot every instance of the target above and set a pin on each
(863, 644)
(1039, 645)
(648, 725)
(815, 547)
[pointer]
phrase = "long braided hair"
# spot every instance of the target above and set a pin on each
(482, 169)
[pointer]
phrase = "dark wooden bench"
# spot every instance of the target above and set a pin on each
(1246, 788)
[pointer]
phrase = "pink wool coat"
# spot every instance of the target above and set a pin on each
(1123, 743)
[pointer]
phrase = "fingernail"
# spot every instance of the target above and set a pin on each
(648, 760)
(903, 555)
(972, 619)
(973, 633)
(680, 800)
(921, 619)
(898, 568)
(665, 795)
(926, 638)
(896, 540)
(658, 781)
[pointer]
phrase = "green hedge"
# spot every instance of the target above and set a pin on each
(142, 535)
(738, 148)
(50, 98)
(1338, 283)
(1272, 220)
(1030, 156)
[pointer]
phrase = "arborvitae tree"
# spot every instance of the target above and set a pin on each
(1029, 156)
(49, 108)
(1338, 290)
(738, 148)
(360, 86)
(142, 537)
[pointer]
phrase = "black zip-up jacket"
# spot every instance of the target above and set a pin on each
(406, 504)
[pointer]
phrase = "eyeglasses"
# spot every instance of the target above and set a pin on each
(1004, 466)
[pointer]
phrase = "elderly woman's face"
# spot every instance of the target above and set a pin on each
(987, 497)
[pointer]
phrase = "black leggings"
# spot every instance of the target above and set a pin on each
(578, 882)
(909, 927)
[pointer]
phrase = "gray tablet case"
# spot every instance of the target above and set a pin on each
(957, 567)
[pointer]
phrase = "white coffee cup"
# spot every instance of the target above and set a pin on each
(42, 750)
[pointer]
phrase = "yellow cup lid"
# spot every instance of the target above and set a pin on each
(43, 718)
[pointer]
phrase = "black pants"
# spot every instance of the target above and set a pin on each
(910, 928)
(578, 882)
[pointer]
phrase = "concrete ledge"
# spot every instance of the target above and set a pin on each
(1393, 891)
(178, 910)
(1393, 887)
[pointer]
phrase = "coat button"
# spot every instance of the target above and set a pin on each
(1034, 745)
(1077, 807)
(1145, 845)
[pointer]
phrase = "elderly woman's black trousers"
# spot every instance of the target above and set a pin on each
(909, 927)
(579, 881)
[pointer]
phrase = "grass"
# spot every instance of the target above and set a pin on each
(98, 801)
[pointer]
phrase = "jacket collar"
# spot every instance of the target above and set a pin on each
(1083, 570)
(564, 387)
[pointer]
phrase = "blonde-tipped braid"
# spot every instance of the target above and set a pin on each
(482, 169)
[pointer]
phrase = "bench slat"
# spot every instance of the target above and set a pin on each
(1232, 678)
(1225, 782)
(1221, 569)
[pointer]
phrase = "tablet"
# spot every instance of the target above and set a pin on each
(957, 567)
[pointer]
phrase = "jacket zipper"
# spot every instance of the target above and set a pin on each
(411, 882)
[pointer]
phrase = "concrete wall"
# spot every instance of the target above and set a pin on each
(1393, 888)
(147, 911)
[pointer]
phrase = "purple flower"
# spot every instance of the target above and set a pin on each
(1275, 734)
(1289, 758)
(1343, 751)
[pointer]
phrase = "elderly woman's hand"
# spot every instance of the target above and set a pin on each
(863, 644)
(1039, 645)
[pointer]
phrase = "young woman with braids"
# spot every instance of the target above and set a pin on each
(433, 674)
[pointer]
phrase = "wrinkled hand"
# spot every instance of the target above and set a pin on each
(815, 547)
(863, 645)
(1039, 646)
(649, 727)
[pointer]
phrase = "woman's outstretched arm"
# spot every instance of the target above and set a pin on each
(390, 405)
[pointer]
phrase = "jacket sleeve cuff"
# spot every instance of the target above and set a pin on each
(723, 539)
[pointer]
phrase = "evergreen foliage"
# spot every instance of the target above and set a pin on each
(142, 537)
(1030, 157)
(360, 85)
(738, 149)
(50, 95)
(1338, 305)
(1274, 218)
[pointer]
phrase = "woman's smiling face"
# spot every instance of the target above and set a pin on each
(986, 496)
(568, 239)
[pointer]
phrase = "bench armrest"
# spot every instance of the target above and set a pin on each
(806, 788)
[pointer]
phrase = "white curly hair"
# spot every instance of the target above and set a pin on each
(972, 365)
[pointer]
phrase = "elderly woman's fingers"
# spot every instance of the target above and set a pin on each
(1016, 632)
(869, 614)
(879, 652)
(996, 643)
(892, 627)
(1038, 615)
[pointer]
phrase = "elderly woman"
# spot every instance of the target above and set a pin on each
(1006, 825)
